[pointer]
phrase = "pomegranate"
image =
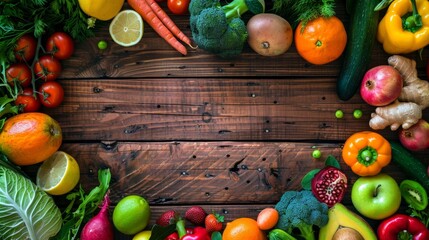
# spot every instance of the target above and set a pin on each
(381, 85)
(415, 138)
(329, 185)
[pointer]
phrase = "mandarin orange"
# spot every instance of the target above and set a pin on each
(30, 138)
(243, 228)
(321, 40)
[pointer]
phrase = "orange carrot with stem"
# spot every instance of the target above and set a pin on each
(143, 8)
(162, 15)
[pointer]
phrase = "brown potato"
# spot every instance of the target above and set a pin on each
(269, 34)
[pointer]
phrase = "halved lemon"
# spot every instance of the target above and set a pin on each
(126, 29)
(58, 174)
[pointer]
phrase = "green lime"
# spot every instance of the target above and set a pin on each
(131, 215)
(102, 45)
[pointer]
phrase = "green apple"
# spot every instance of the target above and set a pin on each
(376, 197)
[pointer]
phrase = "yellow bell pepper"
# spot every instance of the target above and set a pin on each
(101, 9)
(366, 153)
(405, 27)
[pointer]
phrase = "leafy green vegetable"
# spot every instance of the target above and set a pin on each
(89, 204)
(6, 109)
(26, 212)
(296, 11)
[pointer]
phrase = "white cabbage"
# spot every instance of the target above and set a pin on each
(26, 211)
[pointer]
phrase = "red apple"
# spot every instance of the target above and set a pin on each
(415, 138)
(381, 85)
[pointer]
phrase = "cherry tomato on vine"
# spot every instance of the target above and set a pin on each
(28, 101)
(178, 6)
(51, 94)
(25, 48)
(61, 45)
(47, 68)
(19, 73)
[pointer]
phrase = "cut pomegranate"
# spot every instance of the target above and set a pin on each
(329, 185)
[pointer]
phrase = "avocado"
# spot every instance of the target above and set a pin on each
(339, 218)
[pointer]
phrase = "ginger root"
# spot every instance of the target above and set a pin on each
(397, 114)
(407, 110)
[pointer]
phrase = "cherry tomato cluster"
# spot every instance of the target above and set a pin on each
(36, 75)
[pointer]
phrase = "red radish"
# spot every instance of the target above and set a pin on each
(99, 227)
(381, 85)
(415, 138)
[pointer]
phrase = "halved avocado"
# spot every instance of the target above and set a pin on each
(341, 217)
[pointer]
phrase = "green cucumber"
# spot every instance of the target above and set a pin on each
(412, 167)
(361, 36)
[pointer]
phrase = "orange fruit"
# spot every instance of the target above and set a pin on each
(243, 228)
(267, 218)
(321, 41)
(30, 138)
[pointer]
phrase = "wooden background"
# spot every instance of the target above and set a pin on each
(230, 135)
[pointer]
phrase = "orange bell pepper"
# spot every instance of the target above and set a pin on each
(366, 153)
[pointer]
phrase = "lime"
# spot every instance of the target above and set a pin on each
(144, 235)
(131, 215)
(58, 174)
(126, 29)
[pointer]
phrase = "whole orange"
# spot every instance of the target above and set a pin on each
(30, 138)
(243, 228)
(321, 40)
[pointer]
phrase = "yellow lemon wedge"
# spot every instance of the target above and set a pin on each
(126, 29)
(58, 174)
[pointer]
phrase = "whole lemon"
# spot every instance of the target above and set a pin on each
(131, 215)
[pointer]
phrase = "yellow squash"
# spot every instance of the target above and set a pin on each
(101, 9)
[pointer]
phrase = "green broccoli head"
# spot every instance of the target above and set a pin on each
(211, 23)
(301, 210)
(196, 6)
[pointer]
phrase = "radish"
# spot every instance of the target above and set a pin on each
(99, 227)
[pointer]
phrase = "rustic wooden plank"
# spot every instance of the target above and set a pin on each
(208, 109)
(214, 173)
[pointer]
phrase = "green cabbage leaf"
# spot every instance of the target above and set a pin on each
(26, 211)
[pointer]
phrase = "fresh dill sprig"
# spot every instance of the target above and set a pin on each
(296, 11)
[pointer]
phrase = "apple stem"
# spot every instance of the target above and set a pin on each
(376, 190)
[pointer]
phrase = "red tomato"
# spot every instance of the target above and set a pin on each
(19, 72)
(25, 48)
(47, 68)
(178, 6)
(51, 94)
(28, 101)
(61, 45)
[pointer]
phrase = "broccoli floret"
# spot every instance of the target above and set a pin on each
(300, 210)
(211, 23)
(219, 29)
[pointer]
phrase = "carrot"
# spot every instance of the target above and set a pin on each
(143, 8)
(168, 22)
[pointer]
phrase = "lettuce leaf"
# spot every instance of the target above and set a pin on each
(26, 211)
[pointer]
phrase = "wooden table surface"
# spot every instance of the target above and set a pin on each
(230, 135)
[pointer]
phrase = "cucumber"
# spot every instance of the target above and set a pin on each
(412, 167)
(361, 36)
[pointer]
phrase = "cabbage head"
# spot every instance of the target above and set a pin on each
(26, 211)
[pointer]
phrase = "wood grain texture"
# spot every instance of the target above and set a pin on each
(299, 109)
